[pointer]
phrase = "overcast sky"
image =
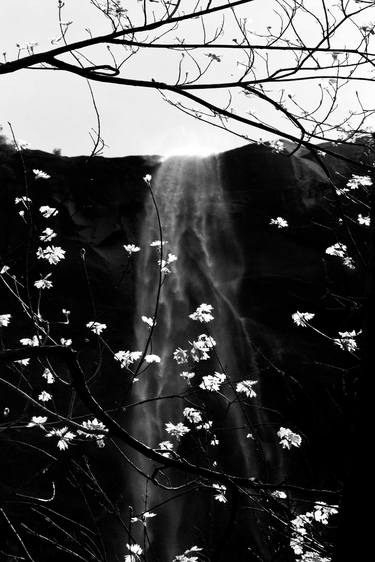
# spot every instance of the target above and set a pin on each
(53, 109)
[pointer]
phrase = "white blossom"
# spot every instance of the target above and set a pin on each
(203, 313)
(48, 376)
(134, 549)
(177, 430)
(66, 342)
(180, 356)
(131, 249)
(147, 178)
(186, 375)
(165, 263)
(347, 341)
(44, 282)
(220, 494)
(4, 269)
(279, 222)
(64, 435)
(158, 243)
(47, 235)
(213, 382)
(149, 321)
(246, 387)
(37, 420)
(40, 175)
(302, 318)
(24, 200)
(322, 512)
(192, 415)
(279, 494)
(359, 181)
(53, 254)
(365, 221)
(96, 327)
(47, 211)
(34, 341)
(44, 396)
(126, 358)
(152, 358)
(5, 319)
(288, 438)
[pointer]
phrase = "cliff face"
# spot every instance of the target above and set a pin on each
(307, 382)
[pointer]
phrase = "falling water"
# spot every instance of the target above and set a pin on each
(196, 221)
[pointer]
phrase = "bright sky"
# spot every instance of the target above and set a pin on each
(53, 109)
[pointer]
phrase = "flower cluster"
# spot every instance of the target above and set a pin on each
(302, 318)
(212, 382)
(165, 263)
(53, 254)
(301, 526)
(340, 250)
(201, 347)
(246, 387)
(4, 319)
(64, 437)
(131, 249)
(220, 492)
(288, 438)
(96, 327)
(203, 313)
(192, 415)
(347, 341)
(186, 556)
(126, 358)
(279, 222)
(176, 430)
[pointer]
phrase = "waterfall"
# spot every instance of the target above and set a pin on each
(196, 222)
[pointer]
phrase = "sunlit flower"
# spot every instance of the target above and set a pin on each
(126, 358)
(64, 435)
(4, 269)
(96, 327)
(247, 388)
(66, 342)
(158, 243)
(186, 375)
(302, 318)
(131, 249)
(220, 495)
(340, 250)
(24, 200)
(44, 396)
(279, 494)
(47, 211)
(165, 447)
(47, 235)
(37, 420)
(143, 518)
(5, 319)
(147, 178)
(134, 549)
(40, 175)
(149, 321)
(279, 222)
(48, 376)
(347, 341)
(276, 145)
(177, 430)
(165, 263)
(94, 425)
(322, 512)
(213, 382)
(288, 438)
(53, 254)
(363, 220)
(44, 283)
(192, 415)
(23, 362)
(180, 356)
(203, 313)
(359, 181)
(34, 341)
(186, 556)
(152, 358)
